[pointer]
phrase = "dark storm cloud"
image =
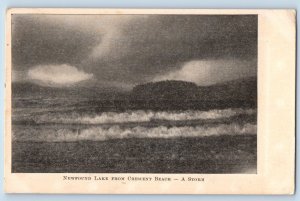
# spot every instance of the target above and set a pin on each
(162, 43)
(135, 48)
(39, 41)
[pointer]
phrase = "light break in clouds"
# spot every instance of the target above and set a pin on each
(126, 50)
(57, 74)
(208, 72)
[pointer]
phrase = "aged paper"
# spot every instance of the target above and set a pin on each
(150, 101)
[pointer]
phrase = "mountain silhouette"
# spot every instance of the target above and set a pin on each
(162, 95)
(165, 90)
(172, 94)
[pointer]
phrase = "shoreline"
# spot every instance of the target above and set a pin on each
(210, 154)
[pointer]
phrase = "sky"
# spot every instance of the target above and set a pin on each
(125, 50)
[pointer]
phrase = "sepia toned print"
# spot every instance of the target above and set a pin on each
(150, 101)
(134, 93)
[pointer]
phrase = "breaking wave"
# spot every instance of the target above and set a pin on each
(98, 133)
(137, 116)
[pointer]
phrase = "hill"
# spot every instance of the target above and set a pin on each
(165, 90)
(32, 90)
(163, 95)
(187, 95)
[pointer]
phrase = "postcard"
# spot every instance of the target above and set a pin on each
(150, 101)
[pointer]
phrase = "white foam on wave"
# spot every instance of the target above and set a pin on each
(138, 116)
(98, 133)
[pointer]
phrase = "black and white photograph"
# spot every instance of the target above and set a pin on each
(139, 93)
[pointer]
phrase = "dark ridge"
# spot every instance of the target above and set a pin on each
(174, 95)
(165, 90)
(163, 95)
(27, 90)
